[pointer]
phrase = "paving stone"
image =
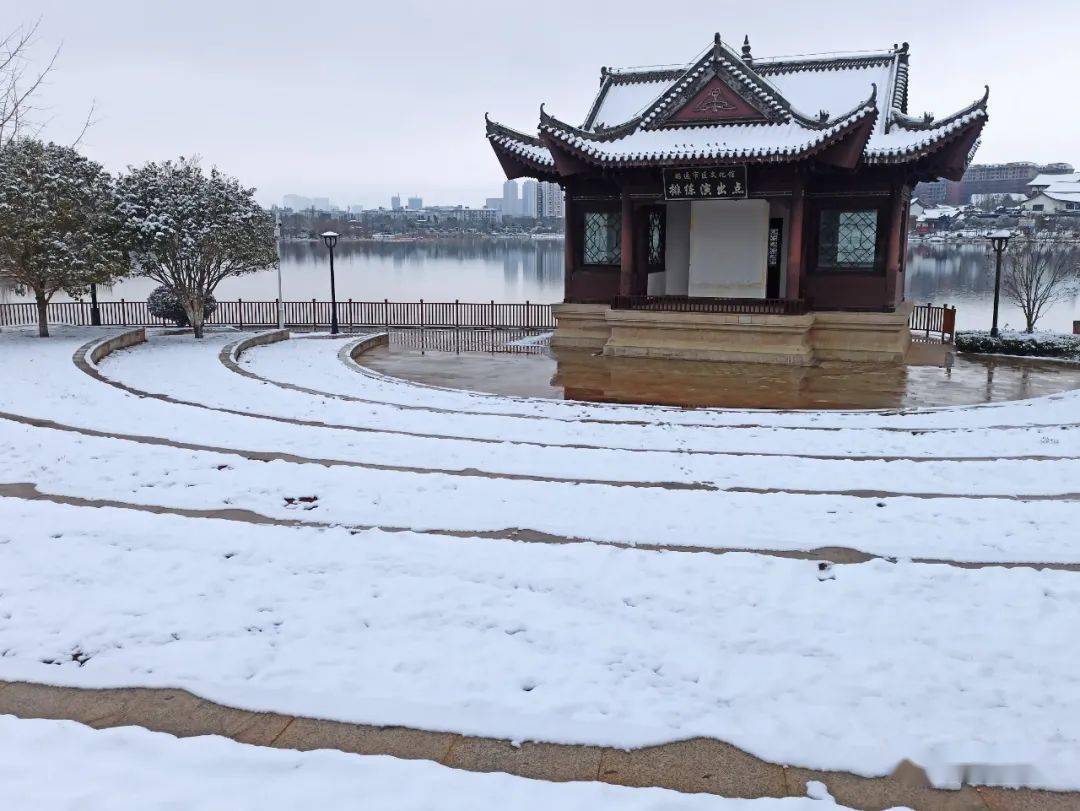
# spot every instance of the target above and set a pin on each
(543, 761)
(1005, 799)
(27, 700)
(413, 744)
(906, 786)
(696, 765)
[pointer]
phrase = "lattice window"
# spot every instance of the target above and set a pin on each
(657, 224)
(847, 240)
(602, 238)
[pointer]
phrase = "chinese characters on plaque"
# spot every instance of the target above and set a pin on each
(716, 183)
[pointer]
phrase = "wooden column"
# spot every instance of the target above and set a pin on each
(570, 243)
(796, 227)
(894, 290)
(626, 268)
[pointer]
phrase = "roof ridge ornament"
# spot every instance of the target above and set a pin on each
(747, 57)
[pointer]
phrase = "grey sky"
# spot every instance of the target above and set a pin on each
(357, 100)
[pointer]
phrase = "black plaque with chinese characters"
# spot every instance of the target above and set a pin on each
(707, 183)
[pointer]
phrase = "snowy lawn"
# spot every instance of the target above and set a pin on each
(152, 368)
(955, 528)
(570, 643)
(61, 765)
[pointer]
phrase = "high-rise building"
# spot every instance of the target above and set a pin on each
(550, 201)
(395, 202)
(297, 202)
(530, 198)
(511, 206)
(416, 203)
(321, 204)
(494, 203)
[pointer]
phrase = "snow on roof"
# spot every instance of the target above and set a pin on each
(899, 141)
(1050, 180)
(721, 141)
(836, 91)
(1060, 195)
(621, 101)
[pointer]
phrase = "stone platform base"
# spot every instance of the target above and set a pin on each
(799, 340)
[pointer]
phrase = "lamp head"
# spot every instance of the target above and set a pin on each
(1000, 240)
(330, 238)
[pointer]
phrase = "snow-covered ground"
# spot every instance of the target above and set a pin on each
(571, 642)
(63, 766)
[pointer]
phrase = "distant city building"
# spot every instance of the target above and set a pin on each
(994, 178)
(1055, 196)
(416, 203)
(511, 204)
(530, 198)
(296, 202)
(321, 204)
(494, 202)
(395, 202)
(464, 213)
(551, 202)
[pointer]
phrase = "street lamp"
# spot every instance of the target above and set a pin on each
(280, 303)
(999, 240)
(331, 238)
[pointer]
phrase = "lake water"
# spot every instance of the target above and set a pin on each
(517, 271)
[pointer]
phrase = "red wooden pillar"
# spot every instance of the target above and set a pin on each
(626, 268)
(894, 257)
(796, 227)
(570, 249)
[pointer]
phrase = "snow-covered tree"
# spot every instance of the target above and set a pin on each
(59, 222)
(188, 231)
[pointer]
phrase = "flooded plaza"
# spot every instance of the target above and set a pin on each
(518, 364)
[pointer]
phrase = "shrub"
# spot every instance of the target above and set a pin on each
(1025, 344)
(164, 303)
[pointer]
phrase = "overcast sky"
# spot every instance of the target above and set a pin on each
(356, 100)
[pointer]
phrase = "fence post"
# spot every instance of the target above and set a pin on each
(240, 309)
(386, 314)
(421, 313)
(492, 324)
(350, 315)
(528, 314)
(929, 310)
(457, 315)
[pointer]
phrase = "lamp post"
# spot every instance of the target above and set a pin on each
(95, 311)
(999, 240)
(331, 238)
(280, 303)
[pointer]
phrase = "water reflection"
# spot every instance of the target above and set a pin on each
(525, 270)
(501, 363)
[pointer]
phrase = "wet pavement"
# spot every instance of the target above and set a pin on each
(514, 364)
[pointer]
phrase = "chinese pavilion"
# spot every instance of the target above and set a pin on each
(741, 208)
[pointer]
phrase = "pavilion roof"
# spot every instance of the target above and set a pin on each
(783, 109)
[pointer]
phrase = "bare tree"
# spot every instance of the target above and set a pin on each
(19, 81)
(1039, 271)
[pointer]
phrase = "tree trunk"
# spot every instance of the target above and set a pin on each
(42, 314)
(193, 308)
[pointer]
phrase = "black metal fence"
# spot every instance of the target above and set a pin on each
(312, 314)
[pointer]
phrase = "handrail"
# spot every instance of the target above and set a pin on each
(312, 313)
(931, 320)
